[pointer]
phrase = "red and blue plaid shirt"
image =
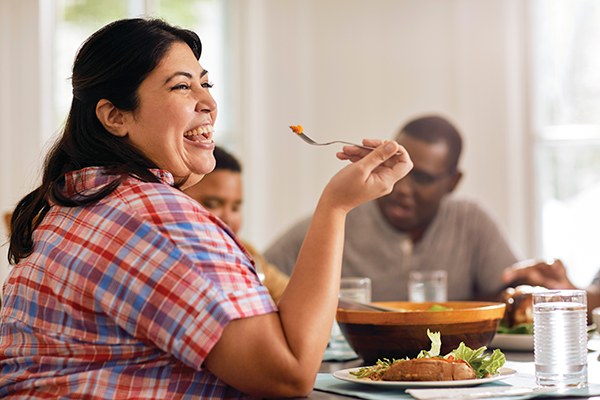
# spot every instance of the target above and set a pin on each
(125, 297)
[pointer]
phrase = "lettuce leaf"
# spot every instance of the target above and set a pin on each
(521, 329)
(483, 364)
(436, 345)
(437, 307)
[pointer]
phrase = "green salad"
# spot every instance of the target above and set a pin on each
(485, 365)
(520, 329)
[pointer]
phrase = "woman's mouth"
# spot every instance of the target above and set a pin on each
(201, 135)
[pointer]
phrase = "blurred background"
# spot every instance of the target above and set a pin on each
(519, 78)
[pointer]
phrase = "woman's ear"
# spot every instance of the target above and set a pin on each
(113, 119)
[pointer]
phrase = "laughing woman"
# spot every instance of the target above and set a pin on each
(123, 286)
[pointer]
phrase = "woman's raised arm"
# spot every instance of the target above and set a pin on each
(278, 355)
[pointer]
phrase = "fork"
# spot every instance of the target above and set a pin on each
(298, 131)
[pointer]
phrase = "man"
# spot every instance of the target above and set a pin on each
(419, 226)
(220, 192)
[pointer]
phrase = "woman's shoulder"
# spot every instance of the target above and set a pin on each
(158, 198)
(138, 195)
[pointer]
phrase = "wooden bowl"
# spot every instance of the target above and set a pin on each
(376, 335)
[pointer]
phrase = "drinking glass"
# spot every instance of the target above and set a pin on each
(428, 286)
(560, 338)
(357, 289)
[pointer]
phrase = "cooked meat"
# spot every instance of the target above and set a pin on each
(429, 369)
(519, 305)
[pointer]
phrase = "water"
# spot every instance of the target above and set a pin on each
(560, 344)
(419, 292)
(361, 295)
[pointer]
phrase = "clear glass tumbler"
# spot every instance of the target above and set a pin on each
(352, 288)
(427, 286)
(357, 289)
(560, 338)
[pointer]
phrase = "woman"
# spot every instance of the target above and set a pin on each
(125, 287)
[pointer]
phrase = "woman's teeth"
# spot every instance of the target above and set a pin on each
(198, 134)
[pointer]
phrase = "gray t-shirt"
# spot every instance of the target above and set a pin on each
(463, 239)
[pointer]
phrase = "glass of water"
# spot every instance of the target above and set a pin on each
(560, 338)
(428, 286)
(357, 289)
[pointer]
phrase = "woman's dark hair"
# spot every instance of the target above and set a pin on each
(111, 65)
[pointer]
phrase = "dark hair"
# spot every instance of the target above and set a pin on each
(433, 129)
(111, 65)
(226, 161)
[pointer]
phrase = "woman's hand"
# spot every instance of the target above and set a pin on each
(372, 174)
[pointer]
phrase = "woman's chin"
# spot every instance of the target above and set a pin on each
(192, 179)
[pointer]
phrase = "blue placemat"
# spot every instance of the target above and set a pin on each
(338, 349)
(525, 377)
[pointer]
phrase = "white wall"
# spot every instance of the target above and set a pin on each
(25, 108)
(348, 69)
(344, 69)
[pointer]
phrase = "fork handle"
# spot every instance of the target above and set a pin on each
(357, 145)
(361, 146)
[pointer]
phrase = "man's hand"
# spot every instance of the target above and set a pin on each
(550, 274)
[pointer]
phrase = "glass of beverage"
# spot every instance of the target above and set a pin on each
(357, 289)
(560, 338)
(428, 286)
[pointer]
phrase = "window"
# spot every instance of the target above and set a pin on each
(75, 20)
(566, 43)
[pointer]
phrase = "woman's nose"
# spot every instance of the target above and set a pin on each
(206, 103)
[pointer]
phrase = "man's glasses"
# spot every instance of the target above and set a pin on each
(422, 178)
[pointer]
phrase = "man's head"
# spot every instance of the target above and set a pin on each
(220, 191)
(434, 146)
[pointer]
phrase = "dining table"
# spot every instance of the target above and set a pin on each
(328, 387)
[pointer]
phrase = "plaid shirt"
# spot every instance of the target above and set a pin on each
(125, 297)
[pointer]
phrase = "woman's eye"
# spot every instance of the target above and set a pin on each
(208, 85)
(181, 86)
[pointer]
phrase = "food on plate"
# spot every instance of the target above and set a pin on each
(297, 129)
(460, 364)
(518, 315)
(429, 369)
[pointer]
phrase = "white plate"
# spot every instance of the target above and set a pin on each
(511, 341)
(344, 375)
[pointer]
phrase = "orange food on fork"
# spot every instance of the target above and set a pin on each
(297, 129)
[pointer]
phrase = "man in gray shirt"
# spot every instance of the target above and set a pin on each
(419, 226)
